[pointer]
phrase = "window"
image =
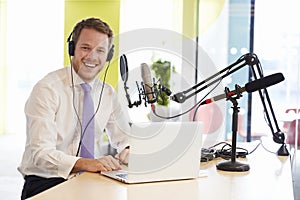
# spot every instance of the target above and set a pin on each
(277, 42)
(146, 35)
(34, 47)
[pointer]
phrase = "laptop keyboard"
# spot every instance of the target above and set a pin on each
(122, 175)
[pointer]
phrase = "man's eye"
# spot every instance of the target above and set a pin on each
(100, 51)
(85, 48)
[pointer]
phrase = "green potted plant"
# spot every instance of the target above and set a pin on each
(162, 72)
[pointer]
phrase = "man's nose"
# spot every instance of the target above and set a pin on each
(92, 54)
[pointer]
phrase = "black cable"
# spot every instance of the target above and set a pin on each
(211, 153)
(198, 104)
(82, 132)
(178, 115)
(73, 97)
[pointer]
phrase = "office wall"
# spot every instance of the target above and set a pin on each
(3, 6)
(108, 11)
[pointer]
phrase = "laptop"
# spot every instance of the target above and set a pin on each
(162, 151)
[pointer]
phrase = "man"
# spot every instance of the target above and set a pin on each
(55, 129)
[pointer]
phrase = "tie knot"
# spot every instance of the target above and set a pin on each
(86, 87)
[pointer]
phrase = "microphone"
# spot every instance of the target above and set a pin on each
(124, 76)
(149, 91)
(148, 85)
(250, 87)
(124, 68)
(264, 82)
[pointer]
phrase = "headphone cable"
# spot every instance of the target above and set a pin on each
(82, 132)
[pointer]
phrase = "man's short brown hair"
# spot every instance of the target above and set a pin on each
(94, 23)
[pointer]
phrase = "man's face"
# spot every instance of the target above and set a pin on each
(90, 54)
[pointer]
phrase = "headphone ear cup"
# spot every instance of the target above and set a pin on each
(110, 53)
(71, 48)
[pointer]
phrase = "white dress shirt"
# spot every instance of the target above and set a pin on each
(53, 117)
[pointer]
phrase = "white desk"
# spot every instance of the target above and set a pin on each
(269, 177)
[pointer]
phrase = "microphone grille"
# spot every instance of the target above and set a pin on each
(124, 68)
(146, 73)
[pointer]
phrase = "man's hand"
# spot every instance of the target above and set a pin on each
(106, 163)
(123, 156)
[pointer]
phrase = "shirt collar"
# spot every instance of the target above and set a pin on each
(76, 80)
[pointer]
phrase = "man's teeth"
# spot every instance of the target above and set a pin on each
(90, 65)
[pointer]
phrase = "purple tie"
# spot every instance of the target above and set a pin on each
(87, 145)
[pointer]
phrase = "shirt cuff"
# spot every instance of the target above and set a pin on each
(64, 170)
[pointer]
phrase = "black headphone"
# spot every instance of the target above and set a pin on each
(71, 49)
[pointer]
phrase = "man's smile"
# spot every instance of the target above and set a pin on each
(90, 65)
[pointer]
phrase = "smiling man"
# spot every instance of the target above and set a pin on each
(56, 132)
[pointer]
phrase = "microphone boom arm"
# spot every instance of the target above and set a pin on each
(240, 63)
(251, 60)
